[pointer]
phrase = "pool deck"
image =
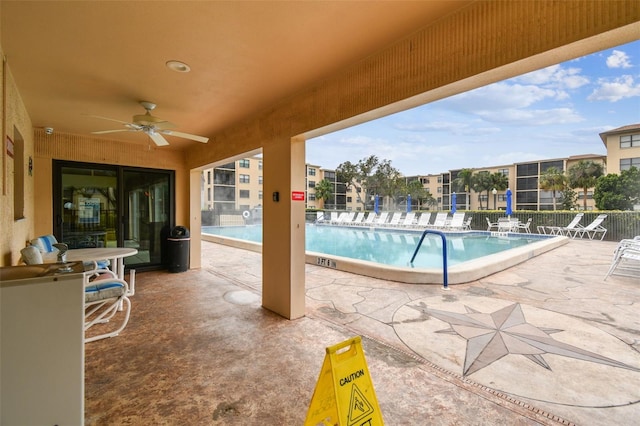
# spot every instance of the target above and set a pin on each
(544, 342)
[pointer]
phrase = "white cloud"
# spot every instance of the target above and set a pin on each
(555, 77)
(613, 91)
(618, 59)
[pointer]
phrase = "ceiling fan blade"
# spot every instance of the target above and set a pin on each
(186, 136)
(104, 132)
(157, 138)
(107, 118)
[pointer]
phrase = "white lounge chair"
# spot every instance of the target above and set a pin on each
(626, 261)
(456, 223)
(440, 221)
(358, 219)
(592, 229)
(408, 220)
(561, 230)
(467, 223)
(423, 220)
(395, 219)
(320, 217)
(370, 220)
(382, 219)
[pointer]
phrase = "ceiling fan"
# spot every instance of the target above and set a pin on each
(154, 127)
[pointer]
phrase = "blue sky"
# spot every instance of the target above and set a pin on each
(554, 112)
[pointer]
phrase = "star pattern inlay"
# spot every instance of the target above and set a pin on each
(493, 336)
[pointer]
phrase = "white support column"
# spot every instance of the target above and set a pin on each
(283, 240)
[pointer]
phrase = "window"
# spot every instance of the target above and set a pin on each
(581, 195)
(527, 183)
(244, 163)
(244, 178)
(559, 165)
(244, 193)
(626, 163)
(629, 141)
(330, 175)
(504, 172)
(259, 195)
(502, 197)
(311, 171)
(312, 184)
(311, 197)
(424, 181)
(260, 180)
(439, 190)
(439, 179)
(529, 169)
(260, 165)
(482, 197)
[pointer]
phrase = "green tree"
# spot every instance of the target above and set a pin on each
(324, 190)
(361, 173)
(463, 182)
(568, 199)
(417, 191)
(553, 180)
(584, 174)
(388, 181)
(482, 182)
(500, 183)
(618, 192)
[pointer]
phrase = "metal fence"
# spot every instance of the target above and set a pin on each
(619, 224)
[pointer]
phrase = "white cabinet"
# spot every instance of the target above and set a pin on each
(41, 346)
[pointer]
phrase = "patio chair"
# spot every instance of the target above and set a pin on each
(491, 225)
(524, 227)
(561, 230)
(592, 229)
(104, 296)
(357, 220)
(507, 224)
(467, 224)
(49, 248)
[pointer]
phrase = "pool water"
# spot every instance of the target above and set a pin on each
(390, 247)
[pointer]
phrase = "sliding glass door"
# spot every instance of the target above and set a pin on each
(98, 205)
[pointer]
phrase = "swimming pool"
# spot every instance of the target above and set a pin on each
(385, 253)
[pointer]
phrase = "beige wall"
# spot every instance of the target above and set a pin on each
(15, 233)
(615, 153)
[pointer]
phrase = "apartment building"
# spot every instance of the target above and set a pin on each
(238, 185)
(623, 148)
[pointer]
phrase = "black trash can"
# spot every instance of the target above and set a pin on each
(178, 249)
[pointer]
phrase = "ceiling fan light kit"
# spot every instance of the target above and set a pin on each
(153, 126)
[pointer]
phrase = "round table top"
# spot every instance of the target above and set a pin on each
(87, 254)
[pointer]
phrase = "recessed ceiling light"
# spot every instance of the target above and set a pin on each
(178, 66)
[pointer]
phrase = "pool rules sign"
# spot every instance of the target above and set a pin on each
(344, 394)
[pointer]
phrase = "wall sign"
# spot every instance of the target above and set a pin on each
(297, 195)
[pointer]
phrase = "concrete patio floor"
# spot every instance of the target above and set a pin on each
(545, 342)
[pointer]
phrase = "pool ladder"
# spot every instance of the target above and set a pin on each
(445, 273)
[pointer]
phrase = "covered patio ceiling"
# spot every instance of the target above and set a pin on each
(74, 60)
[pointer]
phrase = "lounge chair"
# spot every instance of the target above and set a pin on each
(423, 220)
(395, 219)
(457, 222)
(382, 219)
(626, 261)
(320, 217)
(440, 221)
(592, 229)
(370, 219)
(467, 223)
(358, 219)
(104, 296)
(408, 220)
(561, 230)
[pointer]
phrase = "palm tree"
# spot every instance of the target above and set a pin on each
(324, 190)
(500, 183)
(553, 180)
(584, 174)
(464, 182)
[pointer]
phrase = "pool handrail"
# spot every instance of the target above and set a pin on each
(445, 274)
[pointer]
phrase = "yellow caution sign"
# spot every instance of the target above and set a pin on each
(344, 394)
